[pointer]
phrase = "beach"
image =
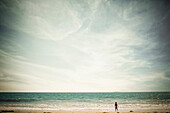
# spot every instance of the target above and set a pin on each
(75, 112)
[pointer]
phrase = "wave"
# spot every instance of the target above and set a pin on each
(18, 100)
(87, 106)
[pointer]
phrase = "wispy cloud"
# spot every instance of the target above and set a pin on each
(84, 45)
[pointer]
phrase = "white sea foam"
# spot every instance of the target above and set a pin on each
(87, 107)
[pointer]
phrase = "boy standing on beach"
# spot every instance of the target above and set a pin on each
(116, 106)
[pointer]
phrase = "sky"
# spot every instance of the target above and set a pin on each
(84, 45)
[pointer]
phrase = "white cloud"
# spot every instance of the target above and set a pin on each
(80, 46)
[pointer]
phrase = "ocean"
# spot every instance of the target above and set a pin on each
(135, 101)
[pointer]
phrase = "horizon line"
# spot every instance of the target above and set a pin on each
(91, 92)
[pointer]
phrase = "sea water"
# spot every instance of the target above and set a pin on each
(135, 101)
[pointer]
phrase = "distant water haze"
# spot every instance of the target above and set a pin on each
(84, 46)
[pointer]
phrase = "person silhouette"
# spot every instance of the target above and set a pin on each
(116, 106)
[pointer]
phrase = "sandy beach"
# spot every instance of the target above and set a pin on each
(73, 112)
(32, 111)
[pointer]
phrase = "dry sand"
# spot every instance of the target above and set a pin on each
(72, 112)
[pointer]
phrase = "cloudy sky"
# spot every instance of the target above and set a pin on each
(84, 45)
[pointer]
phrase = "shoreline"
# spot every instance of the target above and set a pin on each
(46, 111)
(84, 110)
(80, 111)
